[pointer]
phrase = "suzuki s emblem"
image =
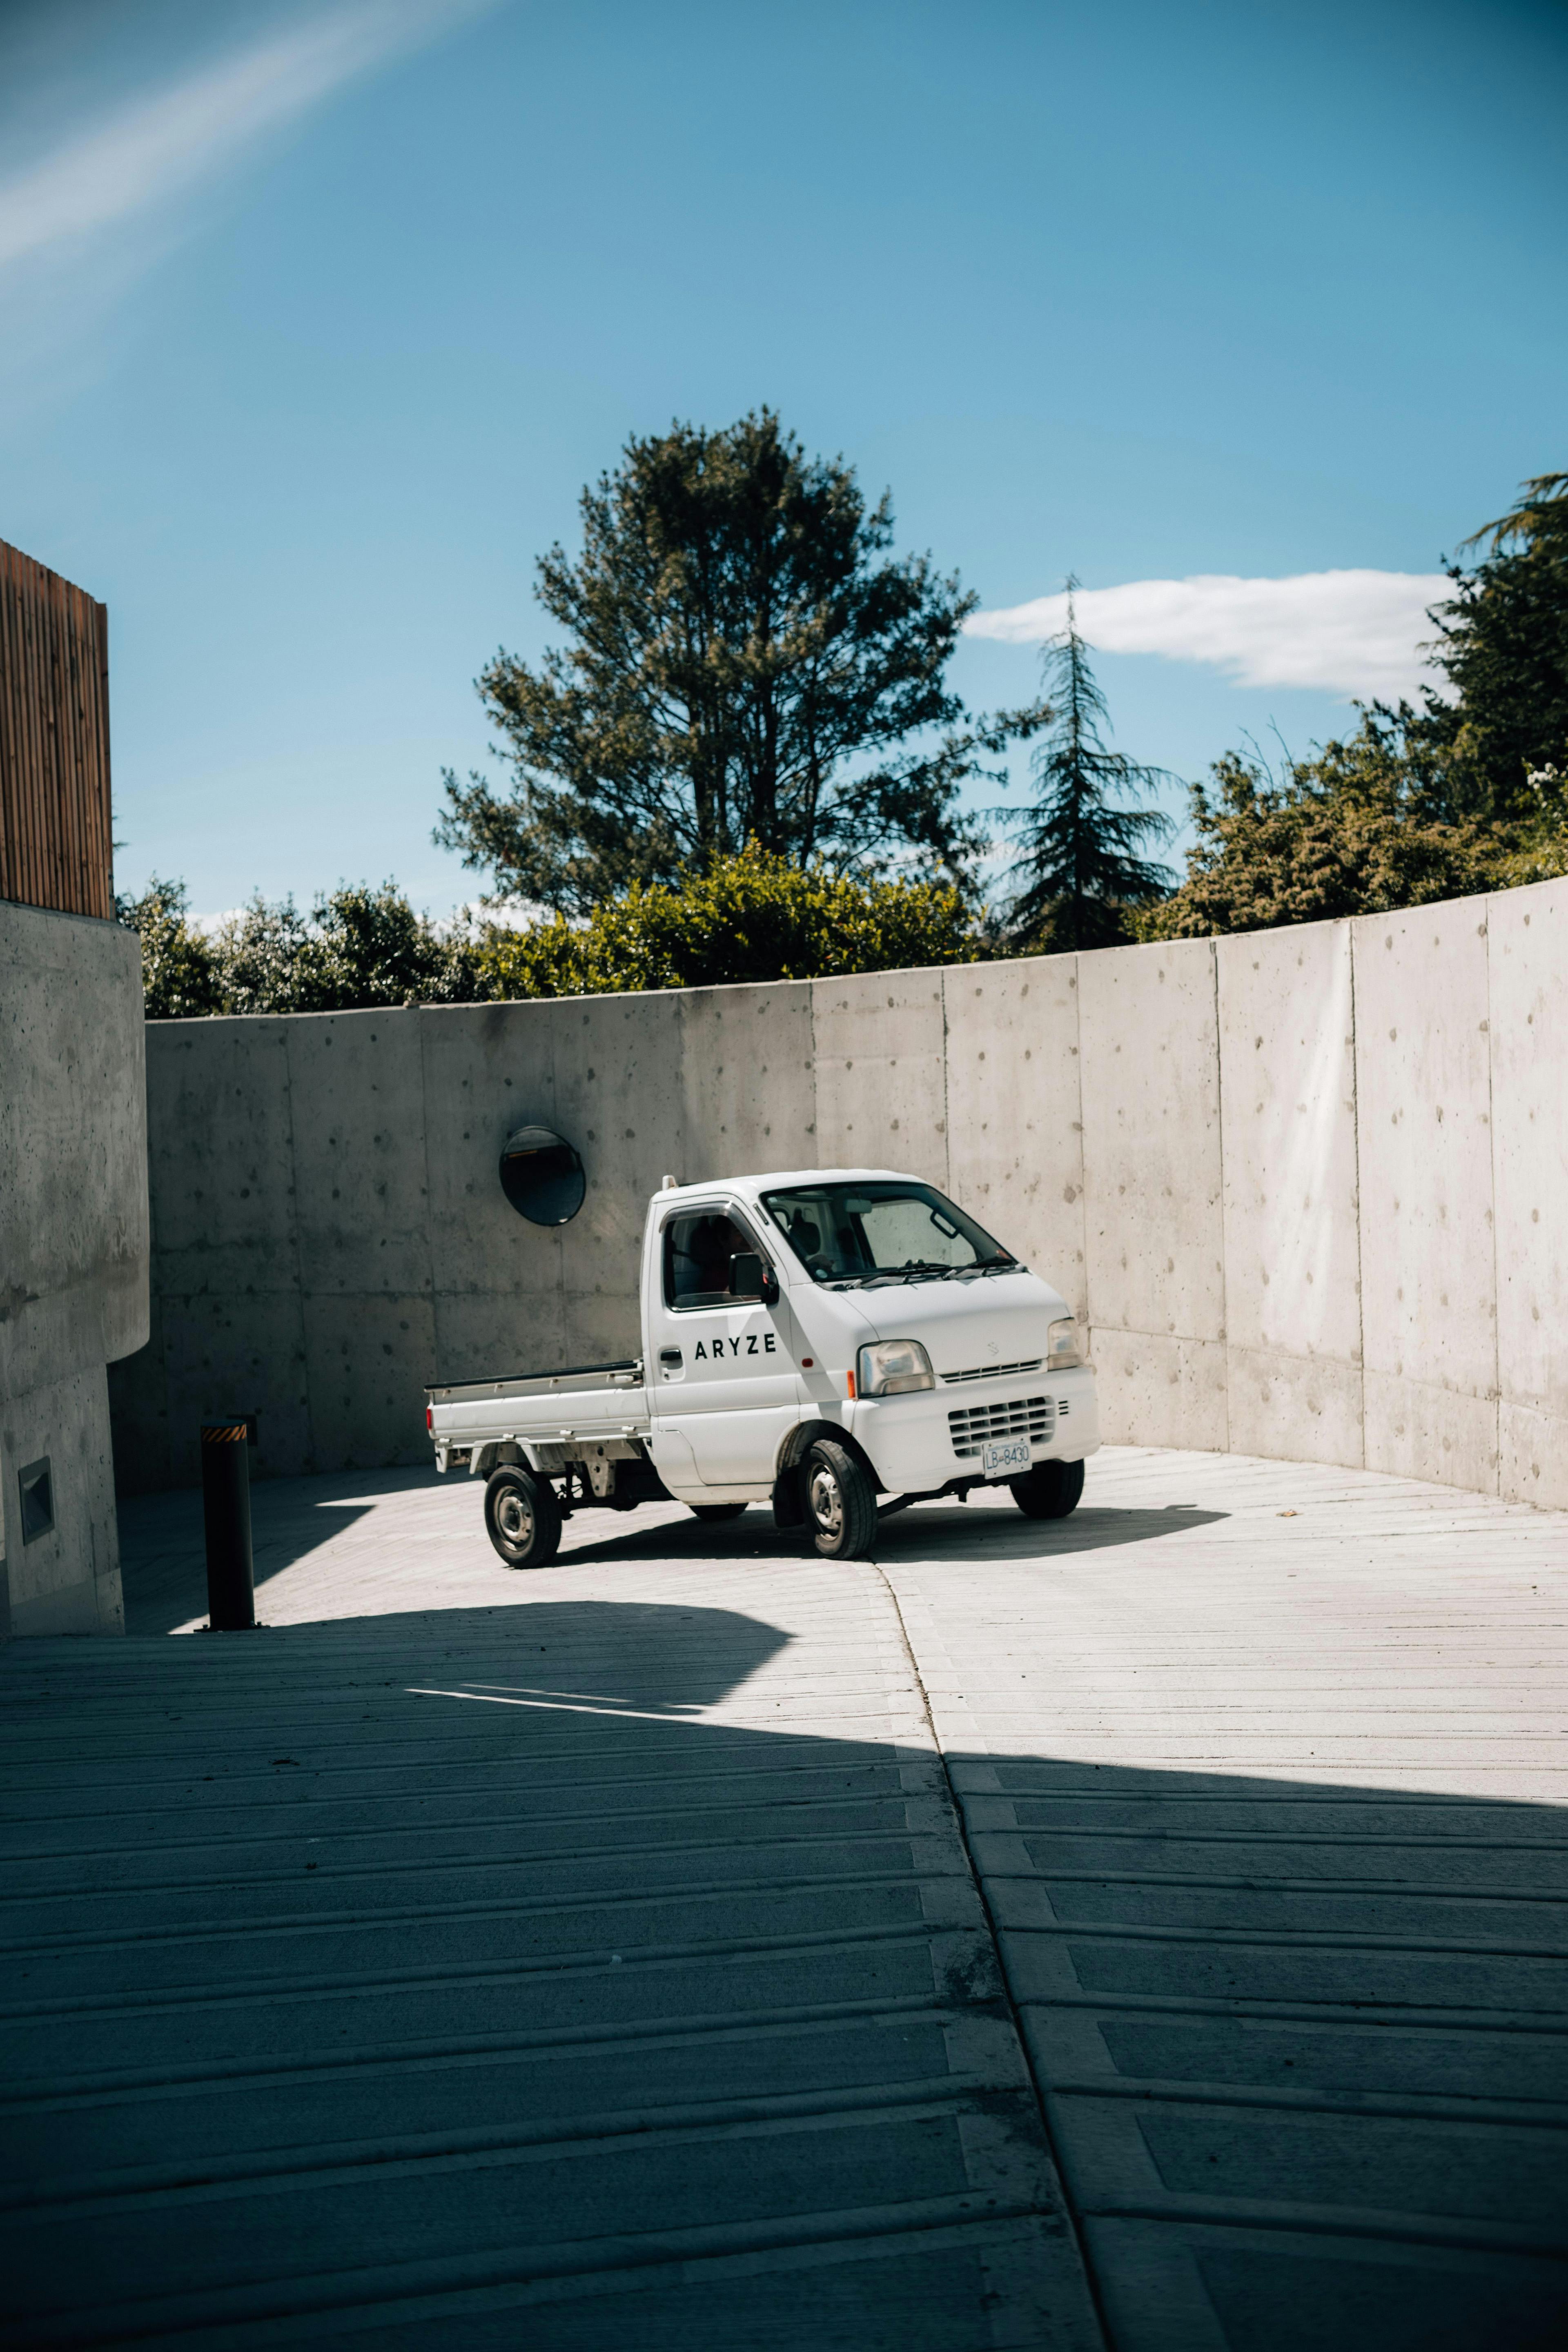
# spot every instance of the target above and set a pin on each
(993, 1348)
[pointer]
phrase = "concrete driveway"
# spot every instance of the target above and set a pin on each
(1147, 1929)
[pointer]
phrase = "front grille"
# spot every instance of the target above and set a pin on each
(992, 1371)
(982, 1424)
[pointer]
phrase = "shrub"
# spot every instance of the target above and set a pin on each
(179, 971)
(750, 916)
(1354, 831)
(357, 947)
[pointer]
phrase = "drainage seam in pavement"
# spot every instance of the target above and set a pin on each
(1070, 2211)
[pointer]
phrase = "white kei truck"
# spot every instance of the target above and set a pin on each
(816, 1339)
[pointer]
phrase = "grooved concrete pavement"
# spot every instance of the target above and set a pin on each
(599, 1957)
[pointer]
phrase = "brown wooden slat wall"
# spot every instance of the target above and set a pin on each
(56, 831)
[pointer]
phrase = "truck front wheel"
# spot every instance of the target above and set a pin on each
(840, 1502)
(1049, 1491)
(522, 1518)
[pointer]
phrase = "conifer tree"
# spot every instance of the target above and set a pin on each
(745, 660)
(1077, 871)
(1502, 646)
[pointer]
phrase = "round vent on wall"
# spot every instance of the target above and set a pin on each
(542, 1176)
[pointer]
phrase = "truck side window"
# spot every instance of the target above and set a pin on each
(699, 1244)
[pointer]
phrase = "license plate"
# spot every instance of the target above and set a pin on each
(1002, 1460)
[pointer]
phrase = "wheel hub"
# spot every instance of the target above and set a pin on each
(515, 1519)
(827, 1502)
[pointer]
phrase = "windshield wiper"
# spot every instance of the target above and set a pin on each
(924, 1269)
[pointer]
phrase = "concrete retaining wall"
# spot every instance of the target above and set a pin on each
(73, 1252)
(1310, 1187)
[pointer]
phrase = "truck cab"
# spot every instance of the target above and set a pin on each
(835, 1342)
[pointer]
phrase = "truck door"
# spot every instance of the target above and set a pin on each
(720, 1372)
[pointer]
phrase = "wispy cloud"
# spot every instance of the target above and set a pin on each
(159, 146)
(1352, 633)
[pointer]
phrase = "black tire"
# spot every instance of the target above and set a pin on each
(840, 1502)
(522, 1518)
(1049, 1491)
(716, 1513)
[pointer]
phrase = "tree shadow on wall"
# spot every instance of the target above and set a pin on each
(456, 1979)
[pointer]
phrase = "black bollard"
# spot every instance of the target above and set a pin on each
(226, 1508)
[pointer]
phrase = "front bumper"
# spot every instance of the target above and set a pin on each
(916, 1442)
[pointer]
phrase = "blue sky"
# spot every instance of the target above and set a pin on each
(313, 322)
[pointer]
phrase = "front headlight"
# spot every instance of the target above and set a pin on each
(892, 1368)
(1063, 1347)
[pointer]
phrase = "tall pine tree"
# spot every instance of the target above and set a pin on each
(746, 660)
(1078, 869)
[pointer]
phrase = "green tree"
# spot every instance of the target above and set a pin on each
(1358, 829)
(1504, 647)
(357, 947)
(368, 947)
(752, 916)
(257, 953)
(746, 663)
(179, 971)
(1078, 873)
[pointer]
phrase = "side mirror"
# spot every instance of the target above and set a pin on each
(750, 1278)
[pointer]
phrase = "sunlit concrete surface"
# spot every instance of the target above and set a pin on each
(598, 1957)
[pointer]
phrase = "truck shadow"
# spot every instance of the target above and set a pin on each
(928, 1531)
(163, 1561)
(579, 1973)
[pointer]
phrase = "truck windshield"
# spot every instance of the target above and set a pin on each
(886, 1229)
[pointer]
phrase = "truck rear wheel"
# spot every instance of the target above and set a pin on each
(1049, 1491)
(840, 1502)
(522, 1518)
(716, 1513)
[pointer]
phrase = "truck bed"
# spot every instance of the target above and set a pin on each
(626, 1370)
(561, 1417)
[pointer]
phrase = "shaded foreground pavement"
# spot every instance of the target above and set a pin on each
(1148, 1930)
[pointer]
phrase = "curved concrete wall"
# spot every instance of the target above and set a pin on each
(1309, 1186)
(73, 1250)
